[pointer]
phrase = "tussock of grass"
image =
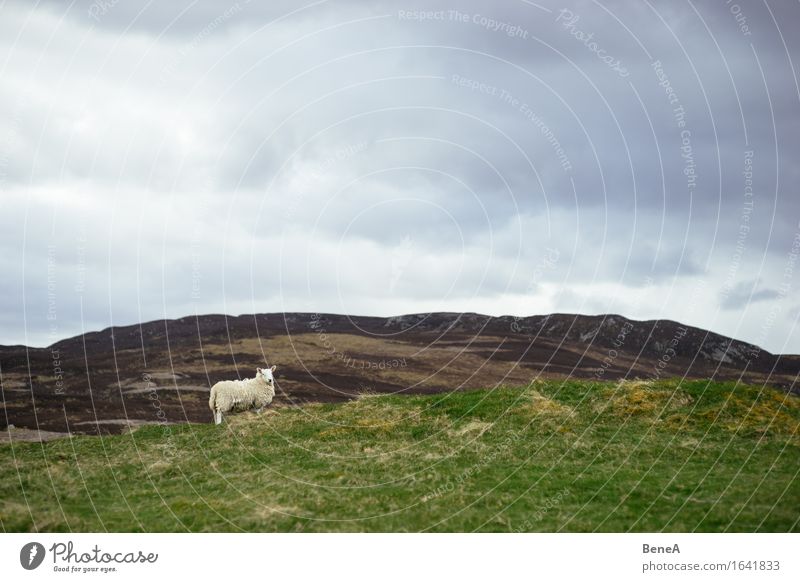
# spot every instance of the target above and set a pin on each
(471, 429)
(644, 398)
(536, 405)
(569, 456)
(370, 415)
(766, 414)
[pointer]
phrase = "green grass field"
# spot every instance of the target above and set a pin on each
(553, 456)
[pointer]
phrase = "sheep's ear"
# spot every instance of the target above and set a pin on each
(258, 370)
(273, 368)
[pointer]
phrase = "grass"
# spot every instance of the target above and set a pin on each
(552, 456)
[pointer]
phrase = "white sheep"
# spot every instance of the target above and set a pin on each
(231, 395)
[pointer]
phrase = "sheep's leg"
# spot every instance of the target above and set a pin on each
(259, 409)
(218, 417)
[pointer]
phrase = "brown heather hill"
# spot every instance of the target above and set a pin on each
(161, 371)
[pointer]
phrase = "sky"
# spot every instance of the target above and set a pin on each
(167, 159)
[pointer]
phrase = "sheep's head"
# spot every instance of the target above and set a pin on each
(266, 373)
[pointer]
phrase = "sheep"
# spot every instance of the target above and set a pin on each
(230, 395)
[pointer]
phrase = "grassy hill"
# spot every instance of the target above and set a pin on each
(104, 379)
(552, 456)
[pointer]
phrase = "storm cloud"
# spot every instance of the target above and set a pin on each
(166, 159)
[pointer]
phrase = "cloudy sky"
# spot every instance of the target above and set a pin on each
(161, 159)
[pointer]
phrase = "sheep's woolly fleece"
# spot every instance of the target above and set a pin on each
(238, 395)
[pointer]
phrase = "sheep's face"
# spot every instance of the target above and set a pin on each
(266, 373)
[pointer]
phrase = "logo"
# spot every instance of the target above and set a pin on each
(31, 555)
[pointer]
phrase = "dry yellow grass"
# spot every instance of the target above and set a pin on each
(472, 429)
(539, 405)
(428, 462)
(643, 398)
(771, 413)
(368, 415)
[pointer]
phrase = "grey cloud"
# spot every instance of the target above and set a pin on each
(166, 107)
(744, 294)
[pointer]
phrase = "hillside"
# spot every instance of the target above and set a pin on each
(106, 381)
(551, 456)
